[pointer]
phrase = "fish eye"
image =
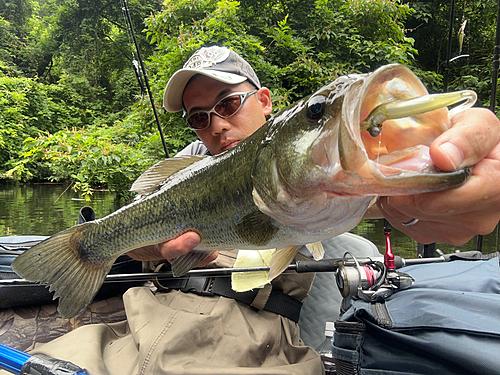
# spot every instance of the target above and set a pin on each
(316, 107)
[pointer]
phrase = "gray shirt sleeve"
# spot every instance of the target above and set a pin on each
(195, 148)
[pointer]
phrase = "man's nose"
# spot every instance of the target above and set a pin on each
(218, 124)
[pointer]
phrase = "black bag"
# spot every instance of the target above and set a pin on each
(448, 322)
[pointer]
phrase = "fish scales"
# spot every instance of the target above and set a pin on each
(303, 177)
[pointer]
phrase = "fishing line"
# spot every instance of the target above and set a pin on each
(379, 146)
(448, 49)
(135, 64)
(53, 208)
(64, 191)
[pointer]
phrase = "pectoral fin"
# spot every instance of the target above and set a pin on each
(181, 265)
(316, 250)
(281, 259)
(243, 281)
(256, 228)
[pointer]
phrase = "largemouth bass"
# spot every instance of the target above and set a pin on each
(308, 174)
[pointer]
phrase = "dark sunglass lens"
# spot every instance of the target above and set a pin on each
(228, 106)
(198, 120)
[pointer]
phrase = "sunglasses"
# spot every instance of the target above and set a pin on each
(224, 108)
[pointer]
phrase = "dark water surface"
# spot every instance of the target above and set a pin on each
(45, 209)
(404, 246)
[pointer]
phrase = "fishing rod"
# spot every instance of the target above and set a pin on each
(300, 266)
(18, 362)
(144, 74)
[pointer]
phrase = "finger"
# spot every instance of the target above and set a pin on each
(440, 206)
(478, 194)
(180, 245)
(474, 134)
(426, 232)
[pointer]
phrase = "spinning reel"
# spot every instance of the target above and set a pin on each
(370, 280)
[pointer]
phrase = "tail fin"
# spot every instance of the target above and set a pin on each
(58, 263)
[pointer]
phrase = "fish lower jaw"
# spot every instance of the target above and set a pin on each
(332, 194)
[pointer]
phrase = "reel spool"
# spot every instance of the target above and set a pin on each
(353, 278)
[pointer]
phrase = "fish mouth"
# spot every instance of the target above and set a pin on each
(396, 121)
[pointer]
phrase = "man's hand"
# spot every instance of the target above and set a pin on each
(454, 216)
(171, 249)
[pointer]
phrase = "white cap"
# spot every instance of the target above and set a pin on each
(216, 62)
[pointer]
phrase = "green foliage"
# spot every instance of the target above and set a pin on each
(294, 46)
(66, 64)
(177, 134)
(95, 157)
(430, 27)
(28, 107)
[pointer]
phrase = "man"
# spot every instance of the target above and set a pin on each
(207, 77)
(204, 328)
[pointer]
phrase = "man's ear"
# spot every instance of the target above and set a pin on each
(264, 97)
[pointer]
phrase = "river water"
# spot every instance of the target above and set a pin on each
(45, 209)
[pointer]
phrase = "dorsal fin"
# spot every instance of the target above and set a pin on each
(149, 181)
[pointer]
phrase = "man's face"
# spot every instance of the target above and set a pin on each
(202, 93)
